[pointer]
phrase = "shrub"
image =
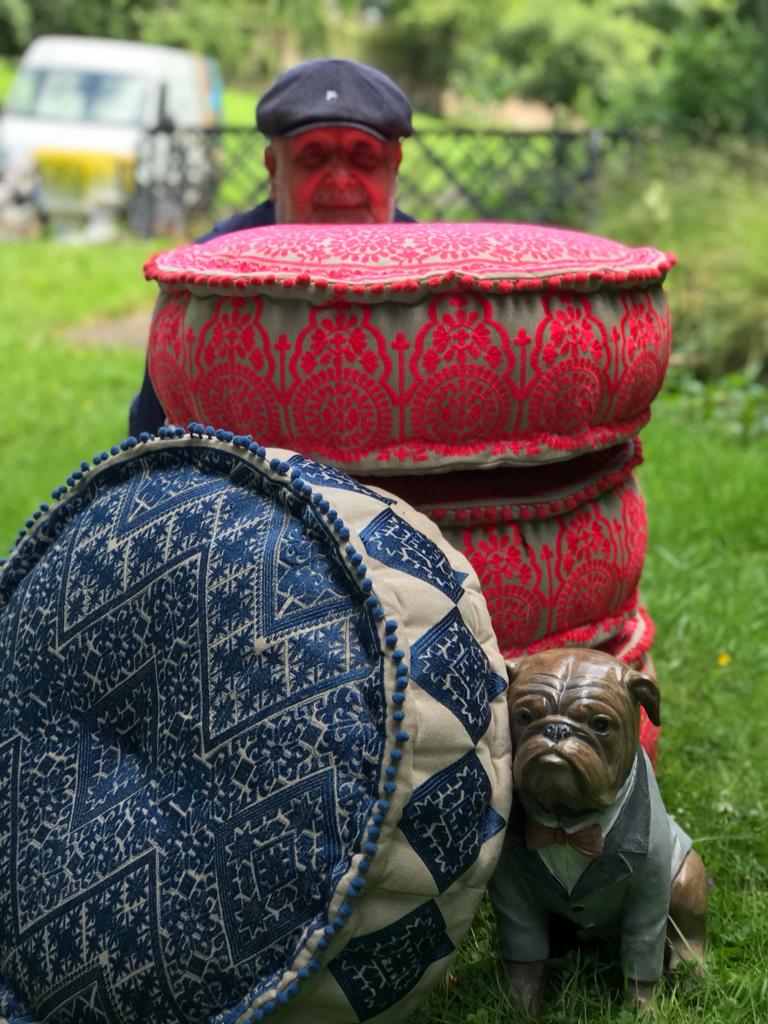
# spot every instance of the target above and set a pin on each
(708, 207)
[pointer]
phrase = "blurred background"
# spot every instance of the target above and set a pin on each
(646, 121)
(642, 120)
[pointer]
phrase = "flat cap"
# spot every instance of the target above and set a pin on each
(334, 92)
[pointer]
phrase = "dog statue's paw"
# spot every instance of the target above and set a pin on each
(686, 961)
(687, 969)
(525, 985)
(640, 998)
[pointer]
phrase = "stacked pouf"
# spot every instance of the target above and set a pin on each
(494, 375)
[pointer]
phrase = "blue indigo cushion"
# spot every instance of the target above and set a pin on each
(254, 752)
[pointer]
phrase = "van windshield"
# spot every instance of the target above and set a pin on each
(66, 94)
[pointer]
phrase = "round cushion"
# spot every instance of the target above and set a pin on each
(559, 549)
(383, 348)
(255, 747)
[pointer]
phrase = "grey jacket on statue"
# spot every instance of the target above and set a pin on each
(624, 892)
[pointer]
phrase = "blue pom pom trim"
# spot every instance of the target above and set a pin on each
(358, 574)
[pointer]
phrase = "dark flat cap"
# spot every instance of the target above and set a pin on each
(334, 92)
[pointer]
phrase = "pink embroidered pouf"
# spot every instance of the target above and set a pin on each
(493, 375)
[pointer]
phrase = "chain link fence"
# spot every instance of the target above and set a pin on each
(186, 180)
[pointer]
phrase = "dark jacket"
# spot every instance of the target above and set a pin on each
(624, 892)
(146, 413)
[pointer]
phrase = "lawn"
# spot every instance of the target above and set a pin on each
(58, 403)
(706, 583)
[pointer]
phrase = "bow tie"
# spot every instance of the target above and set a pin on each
(588, 841)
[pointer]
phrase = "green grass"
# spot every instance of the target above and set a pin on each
(59, 403)
(706, 582)
(239, 108)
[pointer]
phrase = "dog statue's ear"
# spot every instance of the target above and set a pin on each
(513, 668)
(645, 693)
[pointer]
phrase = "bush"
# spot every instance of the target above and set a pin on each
(707, 206)
(736, 402)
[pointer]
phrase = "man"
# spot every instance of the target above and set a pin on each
(334, 130)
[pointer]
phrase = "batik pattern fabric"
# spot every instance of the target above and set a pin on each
(230, 786)
(413, 346)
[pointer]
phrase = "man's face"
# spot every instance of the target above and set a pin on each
(333, 175)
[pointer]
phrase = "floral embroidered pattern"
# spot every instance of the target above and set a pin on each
(461, 329)
(438, 375)
(571, 332)
(338, 339)
(406, 255)
(552, 575)
(405, 349)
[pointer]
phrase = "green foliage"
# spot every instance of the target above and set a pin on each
(22, 20)
(738, 401)
(694, 65)
(251, 38)
(709, 78)
(7, 71)
(15, 24)
(423, 44)
(587, 58)
(707, 206)
(206, 28)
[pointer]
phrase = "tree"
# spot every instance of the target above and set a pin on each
(576, 54)
(713, 75)
(15, 25)
(26, 19)
(680, 64)
(426, 45)
(697, 65)
(252, 39)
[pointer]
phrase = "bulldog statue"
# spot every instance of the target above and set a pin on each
(589, 839)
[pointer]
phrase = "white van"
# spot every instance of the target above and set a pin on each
(94, 100)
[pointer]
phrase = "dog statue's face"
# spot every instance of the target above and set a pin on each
(575, 718)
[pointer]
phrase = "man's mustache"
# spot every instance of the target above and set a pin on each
(328, 196)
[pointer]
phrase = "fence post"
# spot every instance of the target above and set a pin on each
(142, 211)
(595, 146)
